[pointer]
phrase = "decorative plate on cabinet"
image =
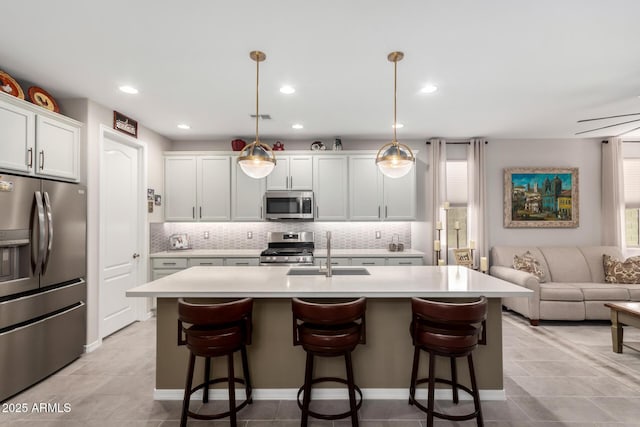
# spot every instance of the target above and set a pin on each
(41, 97)
(318, 146)
(10, 86)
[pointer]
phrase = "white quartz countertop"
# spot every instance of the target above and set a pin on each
(383, 282)
(239, 253)
(373, 253)
(208, 253)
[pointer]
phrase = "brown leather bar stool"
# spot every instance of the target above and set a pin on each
(215, 330)
(329, 330)
(450, 330)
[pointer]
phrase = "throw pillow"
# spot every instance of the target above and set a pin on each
(527, 262)
(625, 272)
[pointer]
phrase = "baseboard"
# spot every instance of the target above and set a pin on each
(326, 394)
(88, 348)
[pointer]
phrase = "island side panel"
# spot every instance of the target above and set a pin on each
(383, 362)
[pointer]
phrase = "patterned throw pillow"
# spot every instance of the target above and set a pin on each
(625, 272)
(527, 262)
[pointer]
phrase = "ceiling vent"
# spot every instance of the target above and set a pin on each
(262, 116)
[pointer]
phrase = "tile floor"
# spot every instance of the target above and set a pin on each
(557, 374)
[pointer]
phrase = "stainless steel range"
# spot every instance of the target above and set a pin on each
(288, 248)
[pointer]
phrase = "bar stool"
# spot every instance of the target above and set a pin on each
(450, 330)
(329, 330)
(216, 330)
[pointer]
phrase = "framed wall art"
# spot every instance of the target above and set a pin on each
(125, 124)
(541, 198)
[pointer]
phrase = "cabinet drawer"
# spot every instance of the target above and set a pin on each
(405, 261)
(176, 263)
(334, 261)
(367, 261)
(205, 262)
(157, 274)
(238, 262)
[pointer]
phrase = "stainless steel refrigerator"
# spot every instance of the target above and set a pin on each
(42, 279)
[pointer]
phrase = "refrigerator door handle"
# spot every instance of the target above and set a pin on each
(41, 233)
(49, 217)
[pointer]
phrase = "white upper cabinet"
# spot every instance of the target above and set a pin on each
(197, 188)
(37, 142)
(330, 187)
(180, 186)
(57, 148)
(214, 188)
(17, 138)
(291, 173)
(246, 195)
(374, 196)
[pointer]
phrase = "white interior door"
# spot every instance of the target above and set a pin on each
(121, 242)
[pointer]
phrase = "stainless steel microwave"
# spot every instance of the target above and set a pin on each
(288, 205)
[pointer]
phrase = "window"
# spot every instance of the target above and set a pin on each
(631, 170)
(457, 193)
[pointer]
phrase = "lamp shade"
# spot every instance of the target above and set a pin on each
(257, 160)
(395, 160)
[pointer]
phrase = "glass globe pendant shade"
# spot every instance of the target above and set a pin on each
(395, 160)
(257, 160)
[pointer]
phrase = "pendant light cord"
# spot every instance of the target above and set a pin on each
(257, 96)
(395, 98)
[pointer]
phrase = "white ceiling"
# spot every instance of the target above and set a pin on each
(504, 68)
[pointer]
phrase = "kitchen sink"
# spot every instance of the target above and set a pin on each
(336, 271)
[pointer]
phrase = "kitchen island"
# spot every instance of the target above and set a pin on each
(382, 366)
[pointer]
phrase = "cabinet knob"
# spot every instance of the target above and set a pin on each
(136, 256)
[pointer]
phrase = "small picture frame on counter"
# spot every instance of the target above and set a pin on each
(463, 257)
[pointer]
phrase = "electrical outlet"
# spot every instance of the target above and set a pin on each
(206, 235)
(378, 235)
(249, 234)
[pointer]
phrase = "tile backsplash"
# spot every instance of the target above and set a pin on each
(234, 235)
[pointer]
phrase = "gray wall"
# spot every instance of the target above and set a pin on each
(581, 153)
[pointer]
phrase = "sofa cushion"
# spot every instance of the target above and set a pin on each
(616, 271)
(593, 255)
(634, 290)
(603, 292)
(503, 255)
(527, 262)
(554, 291)
(566, 264)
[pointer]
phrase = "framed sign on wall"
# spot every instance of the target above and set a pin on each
(125, 124)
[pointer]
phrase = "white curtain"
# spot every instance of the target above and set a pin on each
(613, 221)
(439, 186)
(477, 200)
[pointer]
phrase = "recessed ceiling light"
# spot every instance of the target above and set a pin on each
(297, 126)
(429, 89)
(129, 89)
(287, 90)
(184, 126)
(397, 125)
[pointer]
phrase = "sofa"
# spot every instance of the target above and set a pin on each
(573, 286)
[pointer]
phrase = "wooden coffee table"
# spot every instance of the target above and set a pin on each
(622, 314)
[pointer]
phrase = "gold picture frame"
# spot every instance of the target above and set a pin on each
(463, 256)
(541, 198)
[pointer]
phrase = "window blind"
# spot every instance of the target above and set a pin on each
(457, 182)
(631, 170)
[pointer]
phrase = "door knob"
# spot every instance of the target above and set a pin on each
(136, 256)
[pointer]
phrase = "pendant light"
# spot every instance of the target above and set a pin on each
(257, 159)
(395, 160)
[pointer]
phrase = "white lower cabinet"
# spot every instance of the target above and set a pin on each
(405, 261)
(238, 262)
(334, 261)
(205, 262)
(367, 261)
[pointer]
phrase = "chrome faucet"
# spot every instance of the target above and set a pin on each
(328, 254)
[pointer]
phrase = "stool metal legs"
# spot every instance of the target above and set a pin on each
(187, 390)
(455, 387)
(306, 400)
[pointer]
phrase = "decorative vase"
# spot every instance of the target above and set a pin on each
(238, 144)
